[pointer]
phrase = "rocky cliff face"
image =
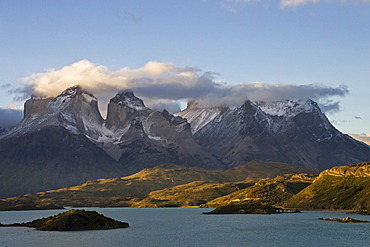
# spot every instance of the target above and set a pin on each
(123, 108)
(148, 138)
(74, 109)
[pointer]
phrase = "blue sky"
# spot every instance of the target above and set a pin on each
(287, 45)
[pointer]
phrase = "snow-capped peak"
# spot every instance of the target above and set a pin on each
(287, 108)
(74, 109)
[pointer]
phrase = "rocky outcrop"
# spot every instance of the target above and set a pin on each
(358, 170)
(345, 220)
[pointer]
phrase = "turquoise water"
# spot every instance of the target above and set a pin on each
(189, 227)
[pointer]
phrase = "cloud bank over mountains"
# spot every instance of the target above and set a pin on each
(162, 85)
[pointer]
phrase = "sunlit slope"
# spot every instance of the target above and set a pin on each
(270, 191)
(125, 191)
(343, 187)
(190, 194)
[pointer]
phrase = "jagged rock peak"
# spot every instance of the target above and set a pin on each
(177, 120)
(75, 90)
(72, 90)
(251, 111)
(129, 99)
(123, 108)
(249, 106)
(69, 94)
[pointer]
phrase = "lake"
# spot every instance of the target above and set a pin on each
(189, 227)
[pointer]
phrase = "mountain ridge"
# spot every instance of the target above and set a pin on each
(293, 131)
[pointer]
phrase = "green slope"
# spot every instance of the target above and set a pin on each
(191, 194)
(269, 191)
(344, 187)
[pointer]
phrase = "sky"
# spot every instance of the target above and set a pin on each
(168, 51)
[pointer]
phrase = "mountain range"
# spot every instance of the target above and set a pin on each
(64, 141)
(291, 131)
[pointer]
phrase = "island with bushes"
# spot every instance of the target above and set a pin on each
(73, 220)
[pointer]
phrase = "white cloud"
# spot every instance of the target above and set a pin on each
(234, 6)
(129, 16)
(155, 80)
(160, 84)
(295, 3)
(363, 137)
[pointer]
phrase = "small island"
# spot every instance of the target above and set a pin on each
(250, 208)
(345, 220)
(73, 220)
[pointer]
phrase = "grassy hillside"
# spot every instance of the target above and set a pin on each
(344, 187)
(191, 194)
(267, 191)
(128, 191)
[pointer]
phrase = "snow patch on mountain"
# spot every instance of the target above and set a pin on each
(58, 103)
(156, 138)
(288, 108)
(198, 118)
(133, 103)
